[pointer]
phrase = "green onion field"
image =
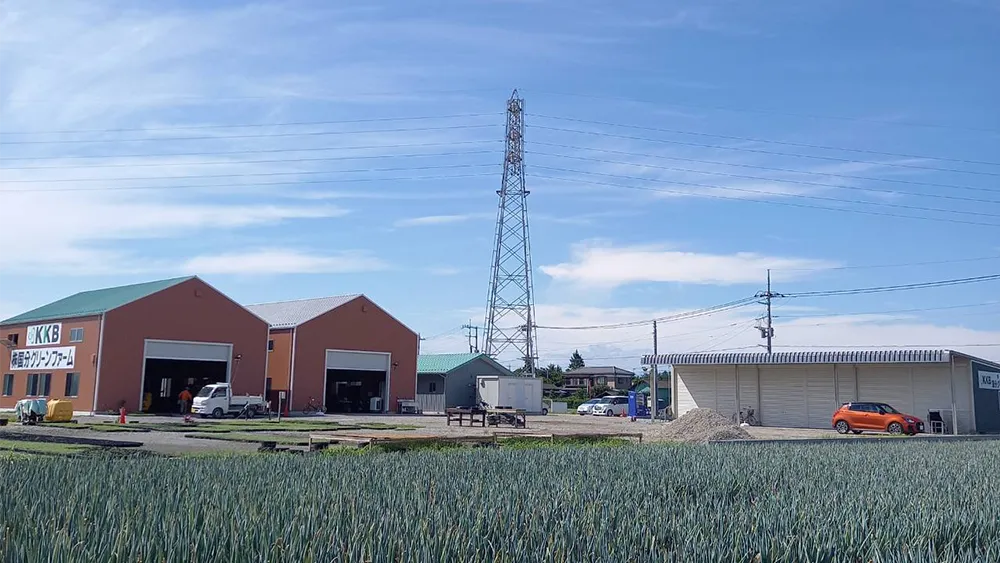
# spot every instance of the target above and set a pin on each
(858, 502)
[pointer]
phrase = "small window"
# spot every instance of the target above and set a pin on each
(165, 387)
(8, 384)
(12, 338)
(76, 335)
(31, 389)
(601, 381)
(219, 392)
(45, 384)
(72, 384)
(432, 387)
(270, 345)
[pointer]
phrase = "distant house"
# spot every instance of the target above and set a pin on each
(589, 377)
(449, 380)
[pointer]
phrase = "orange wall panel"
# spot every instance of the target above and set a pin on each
(85, 362)
(190, 311)
(279, 360)
(358, 325)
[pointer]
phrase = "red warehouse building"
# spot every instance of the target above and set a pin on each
(340, 354)
(139, 344)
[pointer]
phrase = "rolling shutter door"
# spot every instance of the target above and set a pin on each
(931, 390)
(821, 395)
(748, 388)
(695, 389)
(886, 384)
(783, 397)
(725, 391)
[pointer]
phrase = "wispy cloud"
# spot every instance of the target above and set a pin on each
(600, 264)
(273, 261)
(430, 220)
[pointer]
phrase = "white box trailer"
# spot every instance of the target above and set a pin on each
(515, 392)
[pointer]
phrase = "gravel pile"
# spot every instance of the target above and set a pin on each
(700, 426)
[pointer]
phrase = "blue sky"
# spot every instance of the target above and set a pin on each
(674, 152)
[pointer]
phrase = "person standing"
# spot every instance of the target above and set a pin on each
(185, 398)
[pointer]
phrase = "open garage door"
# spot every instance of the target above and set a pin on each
(356, 382)
(171, 366)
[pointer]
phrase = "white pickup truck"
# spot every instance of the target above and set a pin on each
(218, 400)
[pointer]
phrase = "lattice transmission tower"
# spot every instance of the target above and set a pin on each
(510, 314)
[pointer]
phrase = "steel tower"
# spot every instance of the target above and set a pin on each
(510, 314)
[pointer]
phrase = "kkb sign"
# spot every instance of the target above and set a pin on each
(41, 335)
(43, 358)
(989, 380)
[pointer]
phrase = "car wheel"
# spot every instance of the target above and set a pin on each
(252, 412)
(545, 412)
(609, 412)
(895, 428)
(842, 427)
(218, 412)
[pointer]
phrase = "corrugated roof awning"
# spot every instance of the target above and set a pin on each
(806, 357)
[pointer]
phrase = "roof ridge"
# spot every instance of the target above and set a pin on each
(305, 299)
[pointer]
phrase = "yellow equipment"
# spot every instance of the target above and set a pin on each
(59, 411)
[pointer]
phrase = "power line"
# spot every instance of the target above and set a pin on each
(769, 168)
(874, 266)
(254, 136)
(766, 193)
(254, 151)
(669, 318)
(915, 310)
(891, 288)
(768, 202)
(886, 345)
(761, 151)
(253, 174)
(240, 162)
(779, 180)
(770, 112)
(249, 125)
(769, 141)
(245, 185)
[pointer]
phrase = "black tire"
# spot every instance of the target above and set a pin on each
(842, 427)
(752, 421)
(609, 412)
(218, 412)
(545, 412)
(895, 428)
(856, 431)
(252, 412)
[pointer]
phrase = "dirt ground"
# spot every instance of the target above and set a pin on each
(176, 442)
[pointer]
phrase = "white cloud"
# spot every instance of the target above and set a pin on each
(730, 330)
(271, 261)
(438, 220)
(604, 266)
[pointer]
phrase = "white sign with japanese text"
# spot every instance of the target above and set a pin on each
(42, 335)
(989, 380)
(63, 357)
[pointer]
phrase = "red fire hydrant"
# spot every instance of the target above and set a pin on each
(121, 414)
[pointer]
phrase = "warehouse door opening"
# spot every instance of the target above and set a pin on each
(353, 391)
(356, 382)
(169, 367)
(165, 379)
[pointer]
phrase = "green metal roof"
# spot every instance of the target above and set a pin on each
(94, 302)
(443, 363)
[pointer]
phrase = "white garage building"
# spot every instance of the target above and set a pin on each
(803, 389)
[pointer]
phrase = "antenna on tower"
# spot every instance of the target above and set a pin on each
(510, 314)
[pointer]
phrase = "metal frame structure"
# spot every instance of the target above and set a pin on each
(510, 314)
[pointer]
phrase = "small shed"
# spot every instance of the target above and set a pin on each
(449, 380)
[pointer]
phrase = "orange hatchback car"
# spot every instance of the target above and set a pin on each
(880, 417)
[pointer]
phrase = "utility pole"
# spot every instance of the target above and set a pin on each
(767, 331)
(472, 334)
(654, 379)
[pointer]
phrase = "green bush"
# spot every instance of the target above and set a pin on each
(916, 501)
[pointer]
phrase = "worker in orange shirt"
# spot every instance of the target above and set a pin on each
(185, 398)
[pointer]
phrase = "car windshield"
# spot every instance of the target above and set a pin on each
(887, 408)
(592, 402)
(604, 401)
(205, 392)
